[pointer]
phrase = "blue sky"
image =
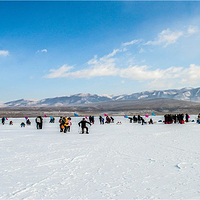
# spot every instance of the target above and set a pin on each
(50, 49)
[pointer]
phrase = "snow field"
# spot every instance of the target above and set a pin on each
(127, 161)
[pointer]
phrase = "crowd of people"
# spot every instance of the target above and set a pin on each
(176, 118)
(65, 123)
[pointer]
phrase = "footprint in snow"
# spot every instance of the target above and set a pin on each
(151, 160)
(182, 165)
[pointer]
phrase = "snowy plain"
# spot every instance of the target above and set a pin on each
(127, 161)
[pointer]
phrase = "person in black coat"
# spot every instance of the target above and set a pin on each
(186, 117)
(83, 125)
(142, 120)
(134, 119)
(39, 122)
(28, 122)
(90, 119)
(3, 120)
(139, 119)
(101, 119)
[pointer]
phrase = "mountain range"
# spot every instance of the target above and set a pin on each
(184, 94)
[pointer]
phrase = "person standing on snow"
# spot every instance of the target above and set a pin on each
(90, 119)
(61, 122)
(69, 124)
(3, 120)
(142, 120)
(83, 125)
(66, 124)
(134, 119)
(186, 117)
(139, 119)
(39, 122)
(100, 119)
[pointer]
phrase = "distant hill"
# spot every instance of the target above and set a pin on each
(184, 94)
(130, 107)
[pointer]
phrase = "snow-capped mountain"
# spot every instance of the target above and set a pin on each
(21, 103)
(185, 94)
(77, 99)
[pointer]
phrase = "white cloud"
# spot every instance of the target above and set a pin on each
(192, 30)
(42, 51)
(141, 50)
(104, 66)
(183, 76)
(129, 43)
(114, 52)
(156, 78)
(166, 37)
(141, 73)
(191, 75)
(109, 65)
(58, 73)
(4, 53)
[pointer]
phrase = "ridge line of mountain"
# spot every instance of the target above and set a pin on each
(185, 94)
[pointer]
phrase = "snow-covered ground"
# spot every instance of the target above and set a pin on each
(127, 161)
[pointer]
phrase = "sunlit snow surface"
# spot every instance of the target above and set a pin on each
(127, 161)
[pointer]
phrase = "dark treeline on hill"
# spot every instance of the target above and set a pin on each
(159, 106)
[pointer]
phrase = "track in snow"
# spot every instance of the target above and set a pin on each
(112, 162)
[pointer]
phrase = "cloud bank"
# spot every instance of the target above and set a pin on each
(159, 77)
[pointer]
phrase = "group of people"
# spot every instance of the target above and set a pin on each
(65, 124)
(3, 120)
(91, 119)
(108, 120)
(176, 118)
(28, 122)
(140, 120)
(137, 119)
